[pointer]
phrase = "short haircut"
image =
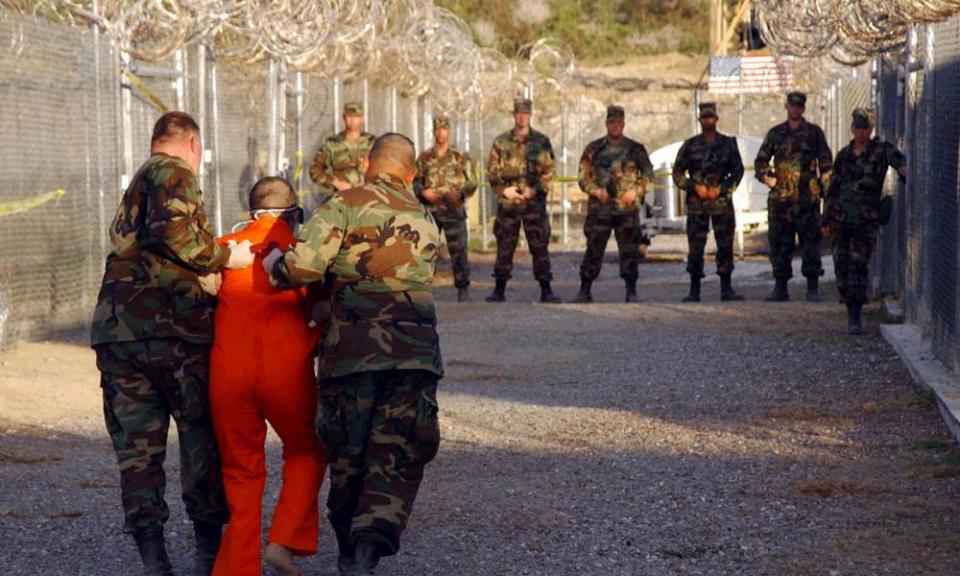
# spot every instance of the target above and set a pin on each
(174, 126)
(393, 150)
(271, 193)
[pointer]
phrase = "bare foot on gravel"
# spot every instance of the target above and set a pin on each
(280, 559)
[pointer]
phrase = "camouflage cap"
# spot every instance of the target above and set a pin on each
(441, 122)
(797, 99)
(353, 109)
(522, 105)
(863, 118)
(708, 109)
(615, 112)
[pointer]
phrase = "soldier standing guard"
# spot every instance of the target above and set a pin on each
(709, 169)
(614, 171)
(151, 331)
(854, 210)
(337, 164)
(444, 181)
(802, 164)
(520, 171)
(380, 364)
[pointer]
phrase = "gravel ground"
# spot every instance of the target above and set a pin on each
(615, 439)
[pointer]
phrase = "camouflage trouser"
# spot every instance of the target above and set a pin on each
(699, 216)
(380, 429)
(144, 384)
(536, 226)
(597, 228)
(456, 232)
(787, 222)
(852, 249)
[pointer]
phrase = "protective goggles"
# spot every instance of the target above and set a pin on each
(295, 210)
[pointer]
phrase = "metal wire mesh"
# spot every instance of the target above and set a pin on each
(942, 192)
(59, 121)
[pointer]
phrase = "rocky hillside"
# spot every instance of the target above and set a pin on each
(598, 31)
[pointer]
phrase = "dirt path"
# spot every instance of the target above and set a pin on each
(615, 439)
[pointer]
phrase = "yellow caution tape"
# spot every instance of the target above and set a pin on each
(137, 83)
(17, 206)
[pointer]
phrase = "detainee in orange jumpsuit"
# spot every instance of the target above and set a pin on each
(261, 370)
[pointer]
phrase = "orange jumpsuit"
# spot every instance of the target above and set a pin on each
(261, 370)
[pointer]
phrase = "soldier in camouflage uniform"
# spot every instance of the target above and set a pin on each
(151, 332)
(852, 213)
(444, 181)
(802, 162)
(614, 172)
(377, 246)
(337, 165)
(708, 168)
(520, 171)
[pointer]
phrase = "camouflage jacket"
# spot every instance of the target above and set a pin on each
(339, 158)
(378, 246)
(452, 171)
(527, 162)
(796, 155)
(616, 169)
(162, 242)
(857, 184)
(714, 163)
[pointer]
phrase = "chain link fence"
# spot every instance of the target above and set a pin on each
(917, 109)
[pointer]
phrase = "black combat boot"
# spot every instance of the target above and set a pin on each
(813, 289)
(727, 293)
(366, 558)
(498, 291)
(854, 325)
(546, 293)
(345, 555)
(780, 292)
(153, 551)
(631, 291)
(694, 295)
(463, 294)
(584, 296)
(207, 538)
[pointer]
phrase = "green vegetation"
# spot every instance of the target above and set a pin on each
(596, 30)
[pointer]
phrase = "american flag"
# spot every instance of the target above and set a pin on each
(749, 74)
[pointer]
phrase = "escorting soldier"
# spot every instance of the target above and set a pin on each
(445, 180)
(520, 171)
(709, 169)
(377, 246)
(151, 331)
(337, 164)
(614, 171)
(855, 209)
(802, 163)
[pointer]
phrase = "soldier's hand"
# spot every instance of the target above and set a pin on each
(510, 193)
(713, 192)
(529, 193)
(210, 283)
(700, 190)
(454, 198)
(770, 181)
(241, 255)
(825, 230)
(902, 171)
(270, 260)
(341, 185)
(628, 199)
(432, 197)
(603, 196)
